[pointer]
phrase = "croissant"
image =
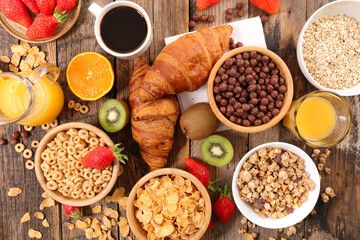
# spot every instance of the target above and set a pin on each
(185, 64)
(152, 122)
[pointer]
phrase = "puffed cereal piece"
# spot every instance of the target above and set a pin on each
(325, 198)
(330, 192)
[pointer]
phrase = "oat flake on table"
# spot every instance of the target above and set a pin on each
(331, 51)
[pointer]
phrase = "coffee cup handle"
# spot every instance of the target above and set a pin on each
(95, 9)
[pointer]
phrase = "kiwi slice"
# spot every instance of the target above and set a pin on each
(217, 150)
(114, 115)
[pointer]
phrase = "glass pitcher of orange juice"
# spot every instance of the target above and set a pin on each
(30, 98)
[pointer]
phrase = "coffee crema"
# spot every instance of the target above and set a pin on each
(123, 29)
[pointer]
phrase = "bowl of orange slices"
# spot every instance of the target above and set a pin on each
(90, 76)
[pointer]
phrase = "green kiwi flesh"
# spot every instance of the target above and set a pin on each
(114, 115)
(217, 150)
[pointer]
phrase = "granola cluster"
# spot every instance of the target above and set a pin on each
(274, 182)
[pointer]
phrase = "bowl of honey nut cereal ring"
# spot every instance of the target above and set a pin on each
(59, 169)
(276, 185)
(169, 203)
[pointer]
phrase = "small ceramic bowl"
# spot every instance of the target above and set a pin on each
(135, 225)
(300, 213)
(284, 72)
(56, 195)
(348, 8)
(19, 31)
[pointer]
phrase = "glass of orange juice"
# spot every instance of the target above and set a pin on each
(320, 118)
(30, 98)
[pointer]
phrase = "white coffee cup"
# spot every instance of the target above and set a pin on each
(100, 12)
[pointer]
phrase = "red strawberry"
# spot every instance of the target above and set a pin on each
(74, 212)
(46, 6)
(31, 4)
(102, 157)
(44, 26)
(204, 4)
(65, 5)
(211, 225)
(224, 207)
(269, 6)
(16, 11)
(199, 170)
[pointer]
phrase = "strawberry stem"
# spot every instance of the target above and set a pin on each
(223, 192)
(117, 152)
(60, 16)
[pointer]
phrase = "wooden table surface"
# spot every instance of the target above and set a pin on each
(338, 219)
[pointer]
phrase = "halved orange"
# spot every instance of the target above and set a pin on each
(90, 76)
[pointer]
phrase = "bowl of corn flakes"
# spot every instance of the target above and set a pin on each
(276, 185)
(169, 203)
(59, 169)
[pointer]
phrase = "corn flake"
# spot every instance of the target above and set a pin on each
(81, 225)
(13, 192)
(13, 69)
(25, 218)
(39, 215)
(108, 199)
(123, 202)
(45, 195)
(18, 49)
(125, 230)
(34, 233)
(5, 59)
(96, 209)
(89, 233)
(87, 221)
(118, 193)
(109, 235)
(111, 213)
(70, 226)
(48, 202)
(45, 223)
(106, 222)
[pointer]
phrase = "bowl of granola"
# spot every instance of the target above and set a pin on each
(59, 169)
(169, 203)
(328, 48)
(276, 185)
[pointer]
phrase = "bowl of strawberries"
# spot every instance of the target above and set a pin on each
(77, 164)
(39, 21)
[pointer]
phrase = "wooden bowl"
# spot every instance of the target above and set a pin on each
(56, 195)
(284, 72)
(19, 31)
(135, 225)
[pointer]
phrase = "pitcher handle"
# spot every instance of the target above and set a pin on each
(48, 69)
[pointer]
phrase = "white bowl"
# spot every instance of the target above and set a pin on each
(347, 7)
(300, 213)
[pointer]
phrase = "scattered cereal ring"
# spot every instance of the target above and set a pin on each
(54, 123)
(29, 164)
(35, 143)
(84, 109)
(28, 128)
(27, 153)
(71, 104)
(19, 147)
(77, 107)
(45, 126)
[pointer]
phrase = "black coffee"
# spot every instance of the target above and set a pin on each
(123, 29)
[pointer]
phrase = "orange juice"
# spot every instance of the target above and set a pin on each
(48, 100)
(316, 118)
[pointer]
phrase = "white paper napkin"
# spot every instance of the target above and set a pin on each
(250, 32)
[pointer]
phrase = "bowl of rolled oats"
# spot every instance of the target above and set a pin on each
(169, 203)
(328, 48)
(276, 185)
(59, 169)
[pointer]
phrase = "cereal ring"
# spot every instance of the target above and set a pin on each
(29, 164)
(82, 195)
(97, 188)
(52, 185)
(84, 109)
(35, 143)
(28, 128)
(93, 141)
(45, 126)
(71, 104)
(83, 134)
(72, 132)
(62, 152)
(54, 123)
(27, 153)
(19, 147)
(74, 195)
(106, 178)
(77, 107)
(45, 167)
(90, 194)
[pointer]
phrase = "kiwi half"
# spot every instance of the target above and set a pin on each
(217, 150)
(114, 115)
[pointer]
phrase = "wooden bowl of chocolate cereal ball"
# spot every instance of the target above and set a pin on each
(250, 89)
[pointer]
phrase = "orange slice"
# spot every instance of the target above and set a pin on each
(90, 76)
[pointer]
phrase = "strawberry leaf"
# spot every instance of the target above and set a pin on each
(117, 152)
